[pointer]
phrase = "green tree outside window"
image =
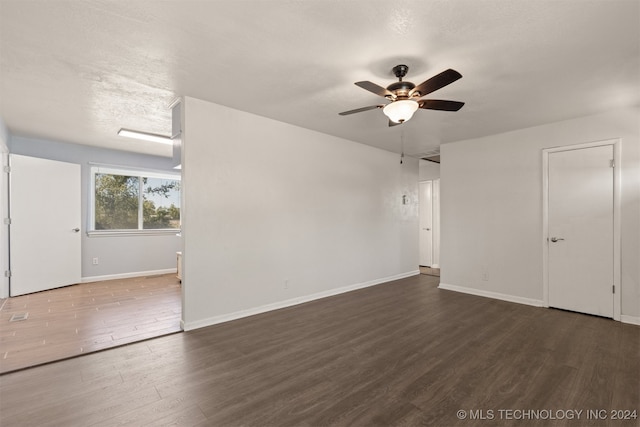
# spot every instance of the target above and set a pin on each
(120, 198)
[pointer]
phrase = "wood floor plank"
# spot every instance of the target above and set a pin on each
(401, 353)
(628, 370)
(176, 411)
(88, 408)
(60, 390)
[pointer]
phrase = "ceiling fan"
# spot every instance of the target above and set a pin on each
(404, 96)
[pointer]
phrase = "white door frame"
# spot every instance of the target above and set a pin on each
(421, 201)
(616, 143)
(435, 223)
(4, 229)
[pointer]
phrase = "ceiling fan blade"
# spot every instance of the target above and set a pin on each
(436, 82)
(372, 87)
(359, 110)
(392, 123)
(439, 104)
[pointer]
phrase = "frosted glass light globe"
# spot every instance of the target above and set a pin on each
(400, 111)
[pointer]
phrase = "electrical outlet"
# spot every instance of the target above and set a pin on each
(485, 276)
(286, 283)
(95, 261)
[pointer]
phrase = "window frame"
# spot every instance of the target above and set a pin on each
(141, 173)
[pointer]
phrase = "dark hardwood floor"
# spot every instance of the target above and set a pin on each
(401, 353)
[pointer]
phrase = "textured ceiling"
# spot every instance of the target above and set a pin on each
(77, 71)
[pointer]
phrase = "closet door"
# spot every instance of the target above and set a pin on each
(581, 233)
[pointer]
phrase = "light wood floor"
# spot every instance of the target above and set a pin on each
(430, 271)
(401, 353)
(82, 318)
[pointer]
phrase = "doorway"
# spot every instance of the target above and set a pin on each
(429, 224)
(581, 238)
(51, 314)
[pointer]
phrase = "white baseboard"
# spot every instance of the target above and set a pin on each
(127, 275)
(633, 320)
(188, 326)
(494, 295)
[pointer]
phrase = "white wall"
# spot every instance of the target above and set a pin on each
(275, 214)
(428, 171)
(119, 256)
(4, 199)
(491, 205)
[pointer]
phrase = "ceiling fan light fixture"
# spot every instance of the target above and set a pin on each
(400, 111)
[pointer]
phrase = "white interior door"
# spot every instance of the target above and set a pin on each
(435, 261)
(45, 216)
(581, 233)
(426, 223)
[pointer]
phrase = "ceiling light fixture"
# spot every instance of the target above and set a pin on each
(400, 111)
(145, 136)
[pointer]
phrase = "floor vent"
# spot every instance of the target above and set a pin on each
(18, 317)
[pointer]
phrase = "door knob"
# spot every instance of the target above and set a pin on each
(555, 239)
(426, 229)
(77, 230)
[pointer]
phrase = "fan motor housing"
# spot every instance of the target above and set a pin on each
(401, 89)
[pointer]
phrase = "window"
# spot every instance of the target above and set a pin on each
(133, 201)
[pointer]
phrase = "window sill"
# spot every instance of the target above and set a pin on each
(112, 233)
